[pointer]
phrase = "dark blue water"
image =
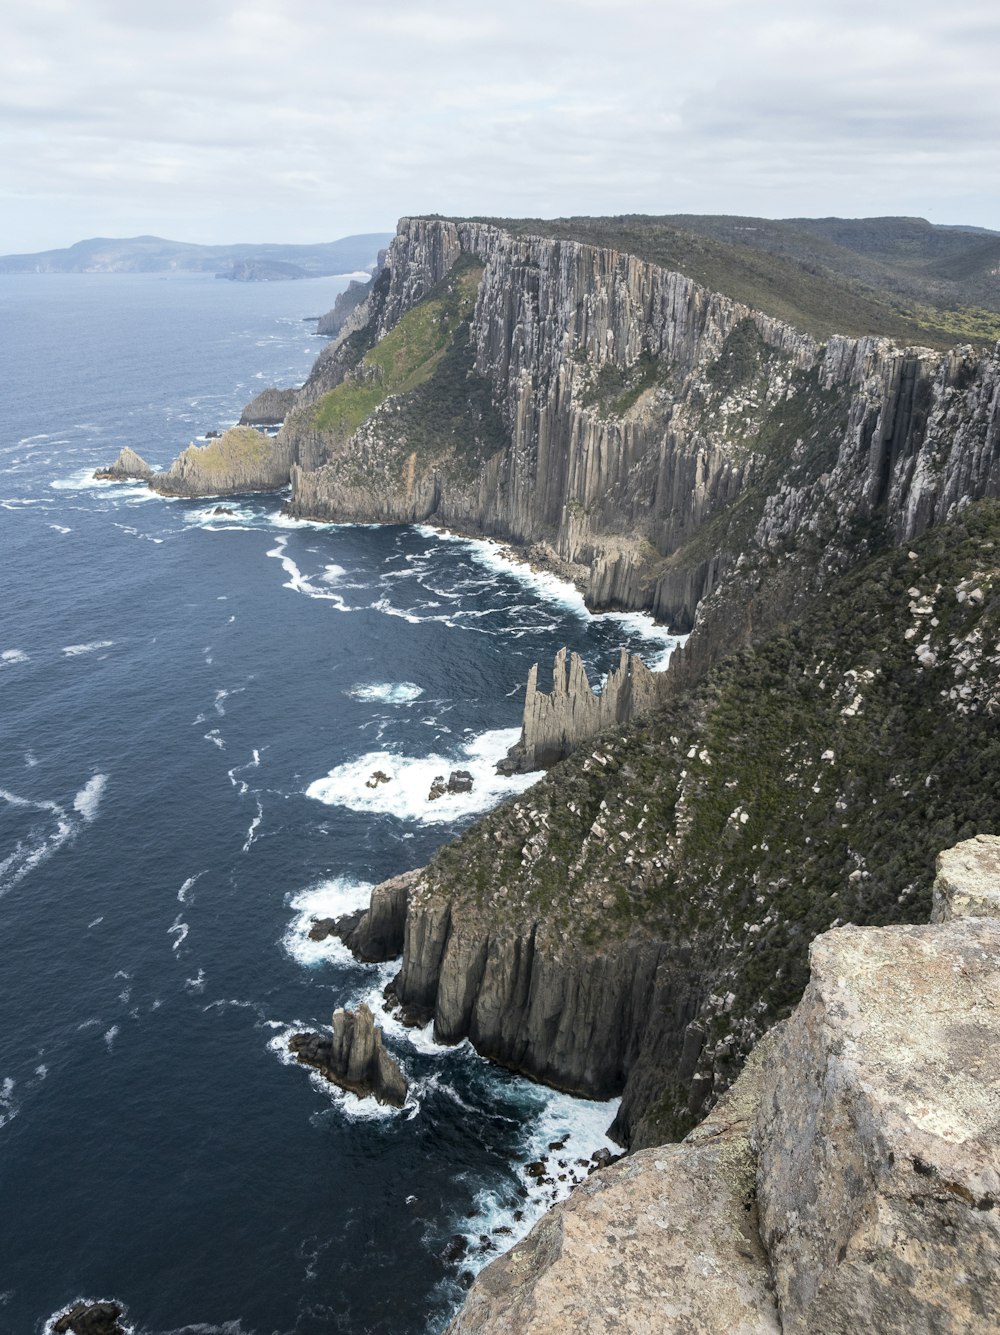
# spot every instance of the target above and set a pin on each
(189, 705)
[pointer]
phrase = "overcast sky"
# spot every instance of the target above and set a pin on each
(305, 120)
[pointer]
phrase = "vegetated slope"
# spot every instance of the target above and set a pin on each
(903, 278)
(670, 877)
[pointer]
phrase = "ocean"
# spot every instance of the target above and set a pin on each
(190, 704)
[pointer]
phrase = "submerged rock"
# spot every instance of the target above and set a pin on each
(354, 1057)
(128, 467)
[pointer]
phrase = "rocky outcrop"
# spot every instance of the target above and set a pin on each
(241, 460)
(967, 884)
(849, 1181)
(87, 1318)
(353, 1056)
(269, 408)
(128, 467)
(377, 933)
(555, 724)
(879, 1152)
(330, 324)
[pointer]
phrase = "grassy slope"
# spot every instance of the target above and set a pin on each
(813, 279)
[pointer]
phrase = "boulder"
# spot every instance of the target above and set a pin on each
(967, 884)
(879, 1135)
(379, 776)
(353, 1057)
(128, 467)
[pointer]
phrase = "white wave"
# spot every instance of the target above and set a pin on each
(88, 799)
(110, 1037)
(332, 573)
(196, 984)
(14, 656)
(60, 528)
(327, 899)
(30, 760)
(41, 1071)
(75, 650)
(178, 929)
(215, 737)
(254, 826)
(30, 853)
(581, 1124)
(8, 1108)
(182, 893)
(83, 480)
(387, 692)
(297, 581)
(95, 922)
(406, 794)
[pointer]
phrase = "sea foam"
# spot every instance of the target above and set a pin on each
(406, 795)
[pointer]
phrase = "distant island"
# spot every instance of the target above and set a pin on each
(244, 262)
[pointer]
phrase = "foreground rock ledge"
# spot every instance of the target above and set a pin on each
(879, 1135)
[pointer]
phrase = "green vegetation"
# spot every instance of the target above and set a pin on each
(406, 357)
(615, 390)
(900, 277)
(239, 449)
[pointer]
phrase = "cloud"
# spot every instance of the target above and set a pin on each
(282, 119)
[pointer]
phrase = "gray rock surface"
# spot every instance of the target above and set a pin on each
(378, 934)
(556, 723)
(330, 324)
(127, 467)
(354, 1057)
(968, 880)
(879, 1135)
(269, 408)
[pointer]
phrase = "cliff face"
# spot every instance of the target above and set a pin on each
(240, 460)
(656, 431)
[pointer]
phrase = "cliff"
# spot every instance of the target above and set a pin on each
(847, 1182)
(128, 467)
(653, 431)
(269, 408)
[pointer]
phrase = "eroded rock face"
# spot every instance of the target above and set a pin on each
(354, 1057)
(377, 934)
(127, 467)
(269, 408)
(968, 880)
(665, 1240)
(879, 1135)
(556, 723)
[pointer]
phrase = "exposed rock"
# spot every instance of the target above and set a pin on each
(459, 781)
(664, 1241)
(264, 271)
(968, 880)
(555, 724)
(224, 510)
(378, 776)
(879, 1153)
(85, 1318)
(377, 934)
(353, 1057)
(347, 302)
(126, 468)
(269, 408)
(241, 460)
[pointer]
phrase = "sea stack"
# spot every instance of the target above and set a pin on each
(128, 467)
(353, 1057)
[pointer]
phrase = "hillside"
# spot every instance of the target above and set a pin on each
(244, 262)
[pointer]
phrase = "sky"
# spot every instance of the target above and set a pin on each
(306, 120)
